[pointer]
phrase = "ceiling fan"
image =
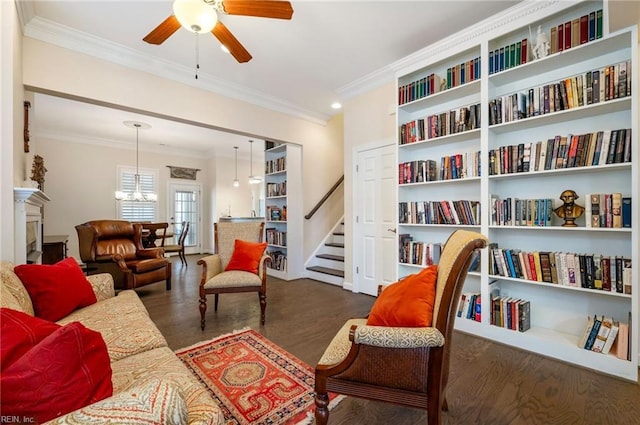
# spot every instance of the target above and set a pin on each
(201, 16)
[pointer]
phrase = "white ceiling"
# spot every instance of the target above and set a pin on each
(299, 66)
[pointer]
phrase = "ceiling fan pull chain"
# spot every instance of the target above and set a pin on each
(197, 56)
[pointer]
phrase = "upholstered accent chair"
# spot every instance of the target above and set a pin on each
(406, 366)
(115, 247)
(215, 280)
(179, 247)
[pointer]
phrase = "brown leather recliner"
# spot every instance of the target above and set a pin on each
(115, 247)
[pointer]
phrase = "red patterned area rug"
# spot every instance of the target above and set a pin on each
(254, 380)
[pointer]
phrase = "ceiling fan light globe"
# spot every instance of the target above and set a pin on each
(195, 15)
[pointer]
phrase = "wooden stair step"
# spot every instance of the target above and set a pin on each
(335, 244)
(338, 233)
(326, 270)
(331, 257)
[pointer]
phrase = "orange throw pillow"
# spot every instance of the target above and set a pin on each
(407, 303)
(246, 256)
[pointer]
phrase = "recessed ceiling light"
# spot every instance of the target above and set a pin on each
(224, 48)
(336, 105)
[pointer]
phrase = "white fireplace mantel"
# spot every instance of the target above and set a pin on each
(28, 203)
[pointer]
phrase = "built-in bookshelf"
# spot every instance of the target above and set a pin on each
(564, 119)
(283, 209)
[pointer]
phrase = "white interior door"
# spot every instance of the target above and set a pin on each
(375, 242)
(184, 204)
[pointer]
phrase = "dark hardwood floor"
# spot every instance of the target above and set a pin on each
(489, 383)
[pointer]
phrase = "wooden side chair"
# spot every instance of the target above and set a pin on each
(179, 247)
(228, 271)
(402, 365)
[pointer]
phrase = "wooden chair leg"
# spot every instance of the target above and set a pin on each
(203, 310)
(215, 304)
(322, 409)
(263, 306)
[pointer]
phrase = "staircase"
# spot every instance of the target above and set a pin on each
(327, 264)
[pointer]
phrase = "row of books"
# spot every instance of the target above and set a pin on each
(276, 165)
(278, 260)
(423, 170)
(277, 189)
(570, 151)
(599, 85)
(606, 335)
(445, 123)
(454, 167)
(418, 89)
(508, 56)
(590, 271)
(521, 212)
(575, 32)
(463, 73)
(610, 210)
(276, 237)
(463, 212)
(418, 253)
(276, 213)
(511, 313)
(470, 306)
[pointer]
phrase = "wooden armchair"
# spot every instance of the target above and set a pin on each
(406, 366)
(115, 247)
(215, 280)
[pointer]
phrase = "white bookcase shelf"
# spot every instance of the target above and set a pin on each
(559, 313)
(283, 201)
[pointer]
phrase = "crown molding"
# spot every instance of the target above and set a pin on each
(515, 16)
(69, 38)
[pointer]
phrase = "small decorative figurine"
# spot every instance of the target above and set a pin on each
(38, 171)
(569, 211)
(541, 48)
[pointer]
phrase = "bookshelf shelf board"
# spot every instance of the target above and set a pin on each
(443, 96)
(277, 197)
(277, 173)
(450, 181)
(449, 138)
(276, 221)
(564, 229)
(271, 245)
(463, 324)
(453, 226)
(553, 173)
(279, 274)
(555, 285)
(581, 53)
(588, 111)
(277, 149)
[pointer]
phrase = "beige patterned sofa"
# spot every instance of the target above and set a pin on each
(150, 384)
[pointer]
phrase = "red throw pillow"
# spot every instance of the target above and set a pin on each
(407, 303)
(246, 256)
(65, 371)
(56, 290)
(19, 333)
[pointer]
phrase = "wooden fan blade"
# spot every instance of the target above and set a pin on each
(225, 37)
(163, 31)
(261, 8)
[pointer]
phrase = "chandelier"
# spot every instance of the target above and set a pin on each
(137, 194)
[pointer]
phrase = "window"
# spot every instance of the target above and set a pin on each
(137, 210)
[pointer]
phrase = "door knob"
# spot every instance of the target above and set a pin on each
(391, 230)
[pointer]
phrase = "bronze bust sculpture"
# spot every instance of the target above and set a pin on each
(569, 210)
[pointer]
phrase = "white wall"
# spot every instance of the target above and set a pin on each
(367, 119)
(10, 121)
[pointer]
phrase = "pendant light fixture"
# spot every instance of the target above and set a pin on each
(236, 182)
(253, 179)
(137, 194)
